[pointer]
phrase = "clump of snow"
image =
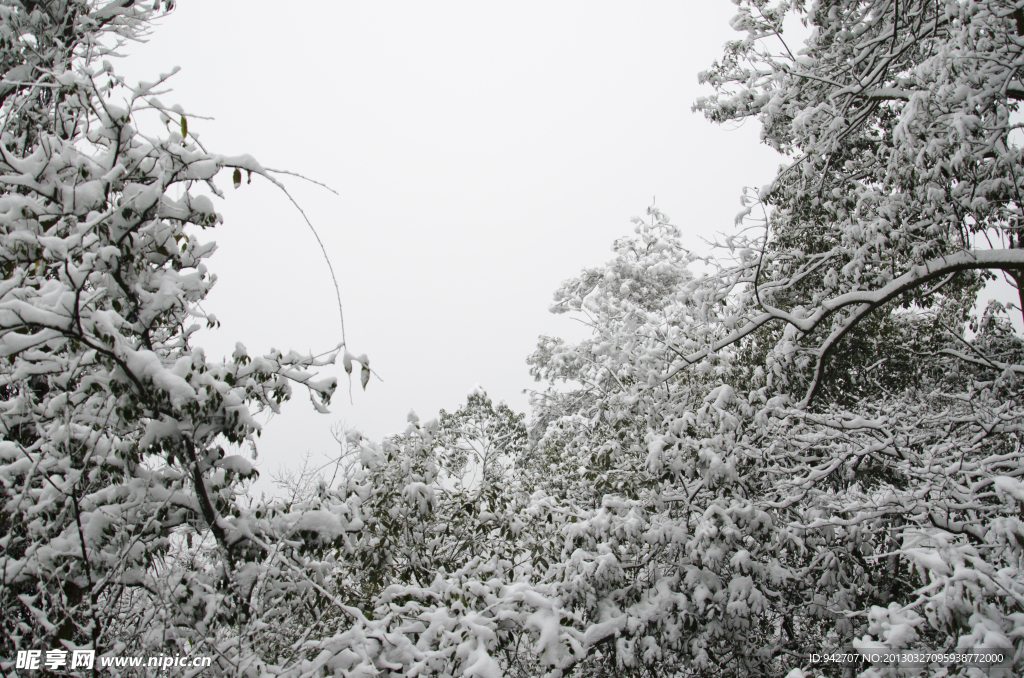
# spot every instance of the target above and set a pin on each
(237, 464)
(322, 522)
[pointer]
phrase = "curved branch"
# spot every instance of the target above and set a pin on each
(868, 301)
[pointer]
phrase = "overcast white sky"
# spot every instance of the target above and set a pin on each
(482, 151)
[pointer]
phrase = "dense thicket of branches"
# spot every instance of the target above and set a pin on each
(808, 440)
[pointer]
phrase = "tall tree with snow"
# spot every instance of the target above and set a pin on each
(113, 422)
(831, 443)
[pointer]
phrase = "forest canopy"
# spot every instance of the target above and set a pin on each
(802, 443)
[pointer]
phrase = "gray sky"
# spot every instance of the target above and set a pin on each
(482, 151)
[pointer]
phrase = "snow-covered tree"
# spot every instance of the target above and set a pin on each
(397, 566)
(113, 424)
(735, 533)
(905, 174)
(831, 443)
(480, 442)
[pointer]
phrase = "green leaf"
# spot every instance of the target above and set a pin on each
(237, 177)
(184, 127)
